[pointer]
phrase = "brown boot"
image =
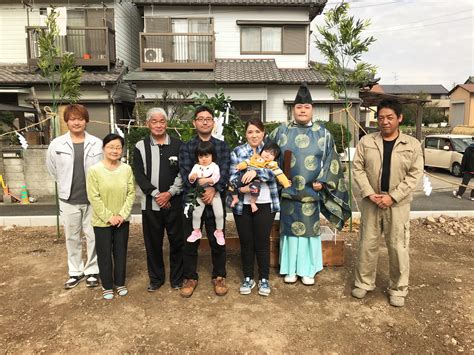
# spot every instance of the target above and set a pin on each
(188, 287)
(219, 286)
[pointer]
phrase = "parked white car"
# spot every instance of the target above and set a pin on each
(445, 151)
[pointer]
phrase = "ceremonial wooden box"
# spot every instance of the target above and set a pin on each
(333, 248)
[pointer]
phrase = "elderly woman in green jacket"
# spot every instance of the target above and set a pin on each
(111, 192)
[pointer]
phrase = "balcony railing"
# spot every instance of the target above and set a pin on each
(177, 50)
(92, 46)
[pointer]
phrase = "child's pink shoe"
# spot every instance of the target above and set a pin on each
(195, 235)
(219, 237)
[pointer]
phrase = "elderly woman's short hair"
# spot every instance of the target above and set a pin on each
(156, 111)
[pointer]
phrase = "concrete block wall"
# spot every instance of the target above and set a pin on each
(14, 176)
(38, 180)
(29, 169)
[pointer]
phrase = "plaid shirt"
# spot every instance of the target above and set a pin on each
(241, 153)
(187, 159)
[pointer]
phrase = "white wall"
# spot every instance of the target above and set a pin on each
(273, 95)
(277, 94)
(12, 32)
(227, 31)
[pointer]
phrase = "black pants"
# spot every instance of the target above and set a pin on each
(190, 250)
(465, 180)
(111, 247)
(254, 233)
(154, 225)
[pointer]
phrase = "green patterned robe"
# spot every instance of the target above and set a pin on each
(314, 158)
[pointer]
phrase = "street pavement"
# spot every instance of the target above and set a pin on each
(441, 199)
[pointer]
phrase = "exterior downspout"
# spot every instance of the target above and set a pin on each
(111, 97)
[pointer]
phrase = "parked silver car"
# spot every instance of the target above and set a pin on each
(445, 151)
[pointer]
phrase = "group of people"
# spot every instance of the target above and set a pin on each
(294, 170)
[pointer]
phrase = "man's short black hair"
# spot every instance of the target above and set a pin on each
(272, 147)
(203, 108)
(393, 104)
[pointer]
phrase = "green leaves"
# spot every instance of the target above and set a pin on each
(61, 72)
(341, 44)
(69, 79)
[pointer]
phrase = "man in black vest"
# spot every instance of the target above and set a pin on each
(155, 165)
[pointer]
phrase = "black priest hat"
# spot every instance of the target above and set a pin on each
(303, 96)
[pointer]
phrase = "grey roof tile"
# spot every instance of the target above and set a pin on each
(414, 89)
(235, 2)
(21, 74)
(297, 76)
(246, 71)
(251, 71)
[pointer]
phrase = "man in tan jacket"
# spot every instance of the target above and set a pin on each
(387, 167)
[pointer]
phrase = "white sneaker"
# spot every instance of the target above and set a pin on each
(455, 194)
(308, 281)
(290, 279)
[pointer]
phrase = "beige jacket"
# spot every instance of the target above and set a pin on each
(405, 170)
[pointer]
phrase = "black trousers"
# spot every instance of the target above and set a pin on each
(254, 233)
(190, 250)
(154, 225)
(111, 247)
(465, 180)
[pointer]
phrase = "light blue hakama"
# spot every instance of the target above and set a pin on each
(300, 256)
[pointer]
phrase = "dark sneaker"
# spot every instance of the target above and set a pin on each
(152, 287)
(246, 286)
(264, 287)
(219, 286)
(92, 280)
(188, 287)
(73, 281)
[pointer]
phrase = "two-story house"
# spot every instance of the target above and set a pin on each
(256, 50)
(103, 37)
(101, 34)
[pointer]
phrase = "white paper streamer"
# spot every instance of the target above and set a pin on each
(23, 142)
(119, 131)
(427, 188)
(219, 127)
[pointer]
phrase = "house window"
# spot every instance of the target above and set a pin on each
(248, 109)
(435, 96)
(287, 39)
(179, 40)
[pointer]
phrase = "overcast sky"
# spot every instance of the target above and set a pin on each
(418, 41)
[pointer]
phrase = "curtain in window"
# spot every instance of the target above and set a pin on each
(180, 42)
(200, 46)
(271, 39)
(250, 39)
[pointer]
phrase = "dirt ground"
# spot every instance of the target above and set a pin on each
(38, 315)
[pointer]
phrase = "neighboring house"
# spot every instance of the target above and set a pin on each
(470, 80)
(101, 34)
(103, 37)
(256, 50)
(461, 110)
(438, 94)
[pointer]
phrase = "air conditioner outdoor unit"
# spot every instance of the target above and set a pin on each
(153, 55)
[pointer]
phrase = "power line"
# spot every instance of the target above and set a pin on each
(423, 25)
(425, 19)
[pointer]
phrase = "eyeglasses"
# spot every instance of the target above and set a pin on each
(204, 120)
(118, 148)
